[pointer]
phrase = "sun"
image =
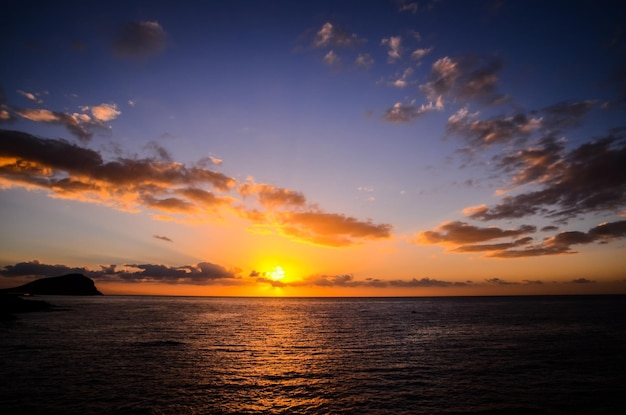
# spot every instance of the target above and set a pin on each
(277, 273)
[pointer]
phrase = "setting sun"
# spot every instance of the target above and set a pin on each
(277, 273)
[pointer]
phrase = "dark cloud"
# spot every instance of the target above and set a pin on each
(582, 281)
(163, 238)
(206, 198)
(495, 130)
(169, 204)
(463, 79)
(465, 238)
(518, 127)
(563, 115)
(199, 274)
(589, 178)
(161, 152)
(37, 269)
(202, 273)
(499, 281)
(493, 247)
(562, 242)
(457, 232)
(348, 281)
(71, 171)
(139, 40)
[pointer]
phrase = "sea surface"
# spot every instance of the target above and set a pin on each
(173, 355)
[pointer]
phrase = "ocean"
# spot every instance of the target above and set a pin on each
(198, 355)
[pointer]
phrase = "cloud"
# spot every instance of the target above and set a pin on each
(464, 78)
(465, 238)
(34, 97)
(161, 152)
(496, 130)
(364, 60)
(406, 6)
(206, 198)
(394, 43)
(418, 54)
(518, 127)
(103, 112)
(562, 242)
(65, 170)
(199, 274)
(80, 125)
(332, 36)
(331, 58)
(403, 113)
(589, 178)
(75, 123)
(139, 40)
(272, 197)
(493, 247)
(564, 115)
(68, 171)
(163, 238)
(37, 269)
(348, 281)
(331, 229)
(456, 232)
(582, 281)
(402, 81)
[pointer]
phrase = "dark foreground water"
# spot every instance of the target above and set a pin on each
(163, 355)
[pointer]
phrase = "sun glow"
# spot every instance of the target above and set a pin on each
(277, 273)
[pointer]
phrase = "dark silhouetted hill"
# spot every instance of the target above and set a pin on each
(70, 284)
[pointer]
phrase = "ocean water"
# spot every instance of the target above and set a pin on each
(168, 355)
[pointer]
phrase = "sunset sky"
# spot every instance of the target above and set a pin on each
(315, 148)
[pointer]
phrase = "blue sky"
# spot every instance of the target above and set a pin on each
(436, 144)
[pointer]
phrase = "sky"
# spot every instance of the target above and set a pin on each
(319, 148)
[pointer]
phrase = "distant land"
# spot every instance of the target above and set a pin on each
(70, 284)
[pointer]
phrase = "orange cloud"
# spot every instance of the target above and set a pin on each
(168, 188)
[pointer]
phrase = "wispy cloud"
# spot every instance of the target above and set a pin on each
(163, 238)
(35, 97)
